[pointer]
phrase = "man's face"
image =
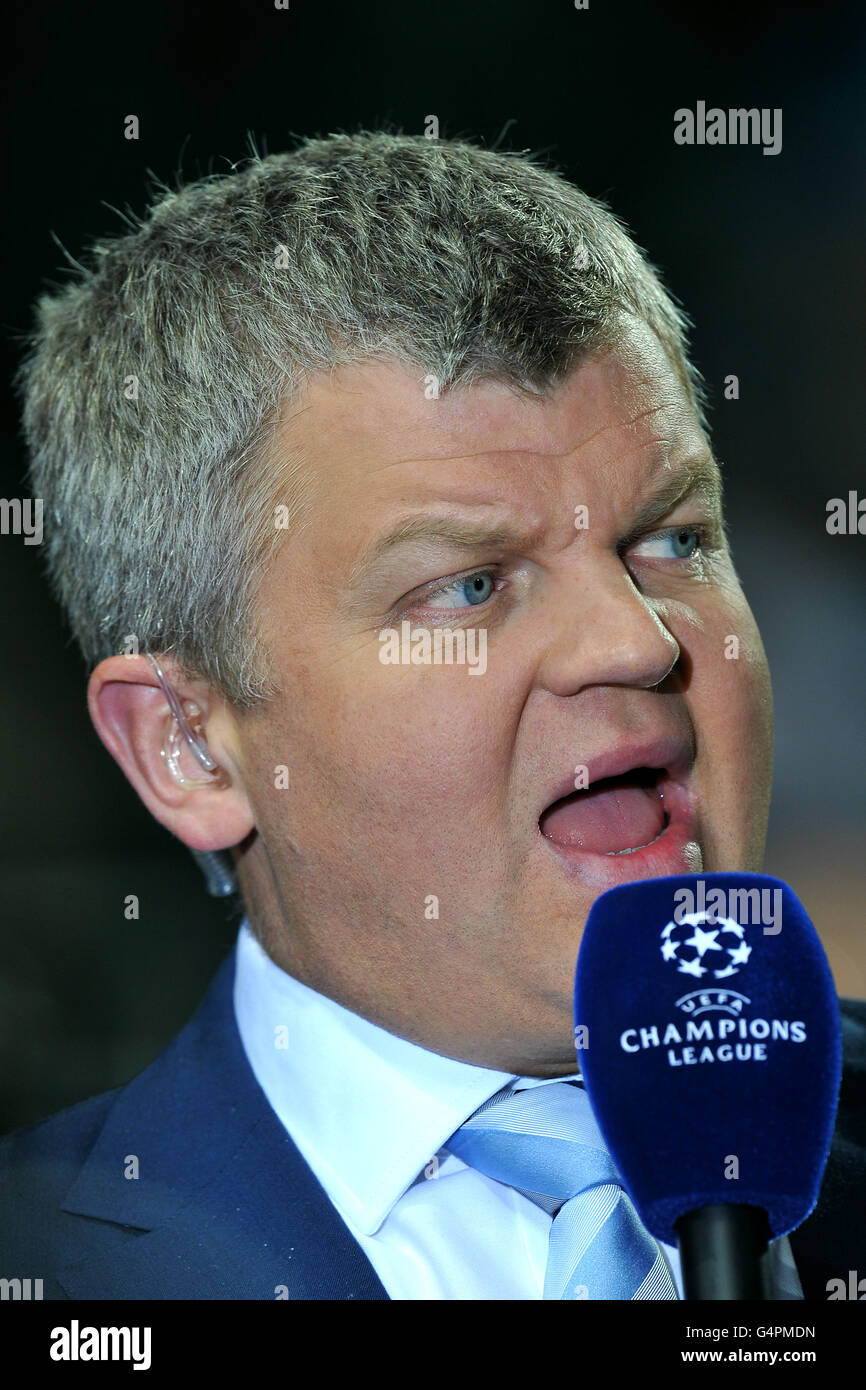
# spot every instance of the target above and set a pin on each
(411, 869)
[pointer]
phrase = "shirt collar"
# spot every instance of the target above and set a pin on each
(367, 1109)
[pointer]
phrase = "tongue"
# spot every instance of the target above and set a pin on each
(614, 815)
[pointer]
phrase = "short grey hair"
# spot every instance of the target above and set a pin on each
(466, 263)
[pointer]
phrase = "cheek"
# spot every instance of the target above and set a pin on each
(744, 677)
(729, 692)
(442, 742)
(412, 760)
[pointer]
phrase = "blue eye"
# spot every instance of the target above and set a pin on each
(683, 542)
(475, 588)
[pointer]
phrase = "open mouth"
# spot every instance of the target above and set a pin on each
(614, 816)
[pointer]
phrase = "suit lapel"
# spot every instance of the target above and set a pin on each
(224, 1205)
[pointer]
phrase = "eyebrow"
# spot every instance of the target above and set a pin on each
(702, 476)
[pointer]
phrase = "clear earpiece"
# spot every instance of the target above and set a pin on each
(171, 751)
(193, 737)
(216, 865)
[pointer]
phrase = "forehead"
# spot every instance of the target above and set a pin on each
(371, 434)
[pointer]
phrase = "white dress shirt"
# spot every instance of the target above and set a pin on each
(370, 1113)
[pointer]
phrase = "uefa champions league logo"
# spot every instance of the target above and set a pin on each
(708, 944)
(701, 945)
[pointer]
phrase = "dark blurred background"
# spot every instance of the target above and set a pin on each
(765, 252)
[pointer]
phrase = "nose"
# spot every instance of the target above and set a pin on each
(606, 633)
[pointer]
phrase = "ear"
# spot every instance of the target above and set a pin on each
(131, 715)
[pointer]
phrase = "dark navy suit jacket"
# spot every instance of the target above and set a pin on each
(224, 1206)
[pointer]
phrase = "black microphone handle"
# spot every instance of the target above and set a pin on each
(723, 1252)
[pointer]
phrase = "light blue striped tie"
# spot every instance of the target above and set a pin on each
(544, 1142)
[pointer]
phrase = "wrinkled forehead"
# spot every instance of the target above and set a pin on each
(383, 464)
(368, 417)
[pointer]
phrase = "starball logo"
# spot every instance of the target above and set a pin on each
(692, 940)
(710, 943)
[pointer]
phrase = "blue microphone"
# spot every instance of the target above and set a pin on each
(708, 1036)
